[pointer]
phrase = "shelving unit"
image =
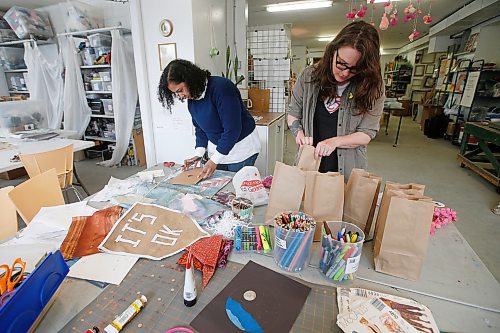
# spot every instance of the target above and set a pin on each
(98, 89)
(397, 80)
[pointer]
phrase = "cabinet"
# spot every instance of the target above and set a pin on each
(271, 129)
(14, 68)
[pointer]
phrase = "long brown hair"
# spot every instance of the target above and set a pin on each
(368, 82)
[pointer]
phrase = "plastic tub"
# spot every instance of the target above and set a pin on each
(7, 35)
(105, 76)
(97, 85)
(107, 104)
(12, 58)
(26, 22)
(99, 40)
(293, 236)
(340, 259)
(107, 86)
(19, 115)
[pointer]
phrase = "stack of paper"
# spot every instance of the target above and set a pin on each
(363, 310)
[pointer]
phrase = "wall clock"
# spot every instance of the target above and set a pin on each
(166, 27)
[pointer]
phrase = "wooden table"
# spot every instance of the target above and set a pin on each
(482, 160)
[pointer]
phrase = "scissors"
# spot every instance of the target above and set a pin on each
(11, 275)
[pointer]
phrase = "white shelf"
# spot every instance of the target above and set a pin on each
(102, 116)
(98, 138)
(88, 92)
(95, 66)
(16, 70)
(19, 92)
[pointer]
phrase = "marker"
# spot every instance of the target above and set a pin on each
(265, 243)
(353, 238)
(259, 242)
(237, 244)
(189, 284)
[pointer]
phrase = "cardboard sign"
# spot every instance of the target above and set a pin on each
(188, 177)
(152, 231)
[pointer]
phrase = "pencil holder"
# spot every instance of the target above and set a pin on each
(341, 245)
(293, 236)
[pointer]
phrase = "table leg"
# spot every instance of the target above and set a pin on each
(399, 127)
(79, 182)
(387, 122)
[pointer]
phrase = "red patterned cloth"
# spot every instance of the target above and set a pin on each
(208, 254)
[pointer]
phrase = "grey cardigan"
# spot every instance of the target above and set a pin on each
(303, 105)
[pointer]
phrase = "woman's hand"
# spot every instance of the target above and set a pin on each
(326, 147)
(208, 170)
(191, 162)
(301, 139)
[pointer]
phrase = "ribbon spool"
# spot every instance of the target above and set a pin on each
(242, 208)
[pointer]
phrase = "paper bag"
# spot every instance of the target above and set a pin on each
(286, 191)
(400, 245)
(360, 201)
(324, 197)
(413, 187)
(306, 159)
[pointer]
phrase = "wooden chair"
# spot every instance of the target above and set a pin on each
(8, 223)
(40, 191)
(61, 159)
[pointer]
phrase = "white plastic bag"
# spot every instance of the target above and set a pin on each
(248, 184)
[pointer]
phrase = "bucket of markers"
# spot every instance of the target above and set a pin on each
(293, 236)
(341, 246)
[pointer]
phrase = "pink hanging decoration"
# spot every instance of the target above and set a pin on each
(352, 11)
(394, 17)
(372, 21)
(442, 216)
(384, 22)
(362, 11)
(414, 35)
(428, 18)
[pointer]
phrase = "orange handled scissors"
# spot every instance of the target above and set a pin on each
(11, 275)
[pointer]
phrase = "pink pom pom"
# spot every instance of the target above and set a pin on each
(441, 217)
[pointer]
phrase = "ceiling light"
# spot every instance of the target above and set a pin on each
(326, 39)
(384, 1)
(285, 6)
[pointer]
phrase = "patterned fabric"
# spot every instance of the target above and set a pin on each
(332, 104)
(208, 254)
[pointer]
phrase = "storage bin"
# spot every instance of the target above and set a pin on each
(107, 105)
(95, 105)
(105, 76)
(26, 22)
(22, 309)
(99, 51)
(108, 86)
(99, 40)
(97, 84)
(88, 56)
(12, 58)
(7, 35)
(16, 114)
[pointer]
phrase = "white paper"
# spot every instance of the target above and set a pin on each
(470, 89)
(117, 187)
(103, 267)
(27, 252)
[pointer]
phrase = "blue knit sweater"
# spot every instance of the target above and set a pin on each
(220, 116)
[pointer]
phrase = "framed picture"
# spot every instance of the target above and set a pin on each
(429, 82)
(428, 58)
(417, 83)
(418, 56)
(166, 53)
(429, 69)
(419, 70)
(471, 44)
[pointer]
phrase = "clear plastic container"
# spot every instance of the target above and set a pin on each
(12, 58)
(340, 258)
(99, 40)
(97, 85)
(101, 51)
(108, 86)
(22, 115)
(105, 76)
(107, 104)
(292, 244)
(26, 22)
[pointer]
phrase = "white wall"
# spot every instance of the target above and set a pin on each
(487, 44)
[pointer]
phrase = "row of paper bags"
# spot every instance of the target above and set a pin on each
(403, 222)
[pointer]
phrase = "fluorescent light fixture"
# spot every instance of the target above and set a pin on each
(326, 39)
(383, 1)
(297, 5)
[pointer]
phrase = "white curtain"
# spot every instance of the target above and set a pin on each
(76, 110)
(45, 82)
(124, 94)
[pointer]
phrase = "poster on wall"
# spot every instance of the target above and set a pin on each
(470, 88)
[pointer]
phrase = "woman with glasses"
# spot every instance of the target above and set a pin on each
(336, 104)
(223, 125)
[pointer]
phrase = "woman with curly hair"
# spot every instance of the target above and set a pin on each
(223, 126)
(336, 104)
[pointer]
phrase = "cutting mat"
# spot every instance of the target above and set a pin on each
(162, 282)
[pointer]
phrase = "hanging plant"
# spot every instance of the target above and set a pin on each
(232, 68)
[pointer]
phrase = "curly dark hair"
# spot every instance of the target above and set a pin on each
(363, 37)
(178, 71)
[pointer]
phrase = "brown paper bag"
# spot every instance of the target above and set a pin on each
(306, 159)
(415, 188)
(286, 191)
(360, 201)
(324, 197)
(400, 245)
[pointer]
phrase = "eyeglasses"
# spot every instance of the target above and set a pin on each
(343, 66)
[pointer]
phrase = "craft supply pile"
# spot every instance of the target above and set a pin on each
(314, 223)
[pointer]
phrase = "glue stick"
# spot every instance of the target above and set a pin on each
(189, 284)
(127, 315)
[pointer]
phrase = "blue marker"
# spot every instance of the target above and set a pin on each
(237, 246)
